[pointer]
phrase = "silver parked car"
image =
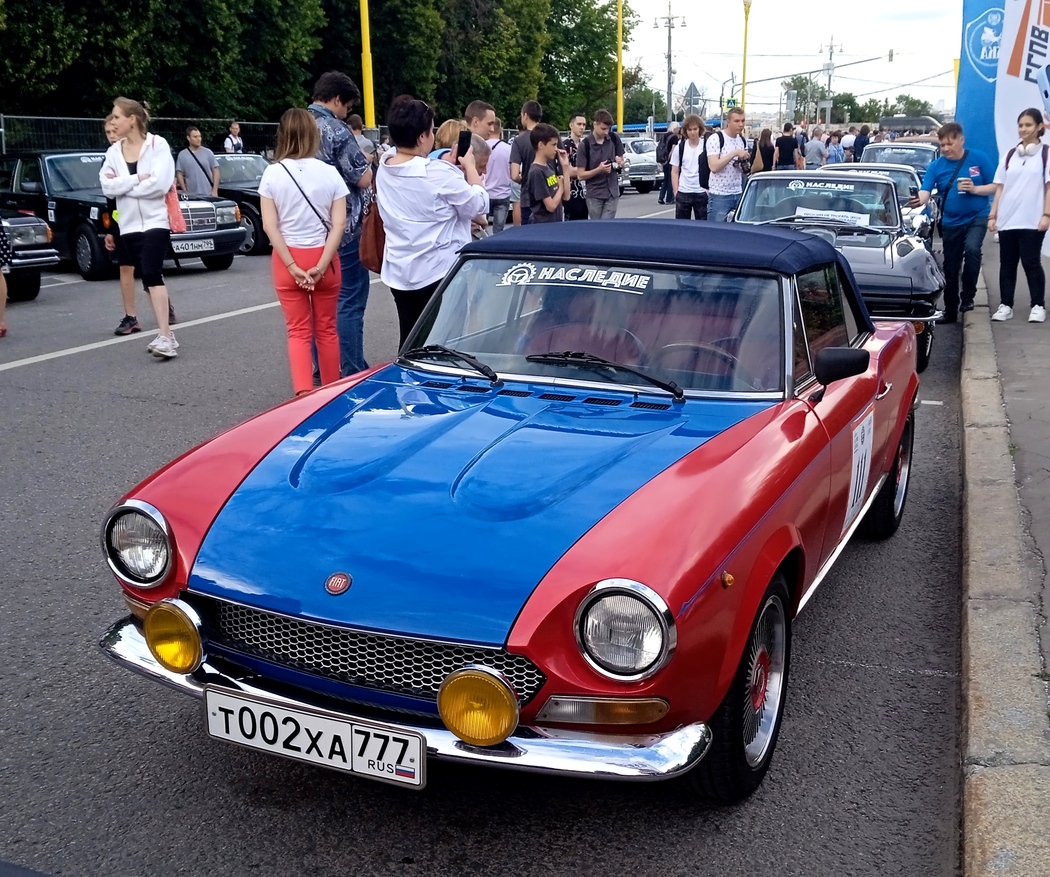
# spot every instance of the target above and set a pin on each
(640, 167)
(860, 215)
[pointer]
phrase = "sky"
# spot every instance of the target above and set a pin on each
(789, 38)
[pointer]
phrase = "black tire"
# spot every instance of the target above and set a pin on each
(745, 737)
(23, 285)
(89, 255)
(885, 514)
(255, 241)
(925, 342)
(645, 188)
(218, 263)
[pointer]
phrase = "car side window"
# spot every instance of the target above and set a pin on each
(29, 172)
(822, 312)
(803, 370)
(7, 173)
(837, 284)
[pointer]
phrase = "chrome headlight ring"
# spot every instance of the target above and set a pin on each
(648, 598)
(117, 567)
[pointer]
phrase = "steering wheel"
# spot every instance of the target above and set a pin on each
(735, 369)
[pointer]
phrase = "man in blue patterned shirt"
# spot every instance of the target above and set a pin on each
(333, 96)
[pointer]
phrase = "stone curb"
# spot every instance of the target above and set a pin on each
(1006, 726)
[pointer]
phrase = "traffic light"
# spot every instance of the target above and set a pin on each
(891, 54)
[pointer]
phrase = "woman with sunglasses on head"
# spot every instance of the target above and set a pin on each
(137, 172)
(1021, 215)
(303, 203)
(427, 207)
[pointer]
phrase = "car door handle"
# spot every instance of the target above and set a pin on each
(884, 391)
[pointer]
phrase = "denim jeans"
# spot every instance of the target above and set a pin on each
(962, 256)
(666, 189)
(718, 206)
(499, 207)
(350, 318)
(690, 205)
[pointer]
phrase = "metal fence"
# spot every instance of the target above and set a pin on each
(41, 132)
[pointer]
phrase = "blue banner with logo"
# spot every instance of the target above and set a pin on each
(982, 37)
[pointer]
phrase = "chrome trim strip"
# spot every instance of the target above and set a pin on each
(646, 595)
(51, 258)
(550, 750)
(155, 515)
(826, 568)
(929, 318)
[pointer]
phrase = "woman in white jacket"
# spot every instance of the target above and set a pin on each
(138, 172)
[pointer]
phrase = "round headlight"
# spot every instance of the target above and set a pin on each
(172, 631)
(137, 544)
(478, 706)
(625, 629)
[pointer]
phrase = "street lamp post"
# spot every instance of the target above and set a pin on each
(669, 23)
(743, 87)
(366, 68)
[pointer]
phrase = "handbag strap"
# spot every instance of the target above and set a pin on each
(327, 226)
(950, 184)
(203, 171)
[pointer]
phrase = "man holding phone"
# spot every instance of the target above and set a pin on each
(599, 160)
(963, 179)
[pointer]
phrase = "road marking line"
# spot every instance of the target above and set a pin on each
(929, 402)
(109, 342)
(938, 674)
(651, 215)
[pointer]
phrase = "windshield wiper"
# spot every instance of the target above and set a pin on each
(589, 360)
(439, 351)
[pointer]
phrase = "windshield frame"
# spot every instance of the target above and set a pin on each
(642, 388)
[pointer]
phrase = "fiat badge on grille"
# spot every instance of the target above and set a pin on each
(338, 583)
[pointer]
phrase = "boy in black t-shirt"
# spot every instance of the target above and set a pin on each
(547, 189)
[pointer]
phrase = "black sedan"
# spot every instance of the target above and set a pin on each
(30, 240)
(239, 177)
(62, 188)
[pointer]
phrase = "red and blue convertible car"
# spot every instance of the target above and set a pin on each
(566, 531)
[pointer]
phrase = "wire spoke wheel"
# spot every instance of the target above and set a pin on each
(767, 662)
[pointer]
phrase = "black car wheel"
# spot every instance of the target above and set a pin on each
(218, 263)
(23, 285)
(884, 516)
(925, 341)
(645, 188)
(746, 726)
(255, 241)
(91, 259)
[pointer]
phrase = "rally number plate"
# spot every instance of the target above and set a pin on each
(368, 749)
(204, 245)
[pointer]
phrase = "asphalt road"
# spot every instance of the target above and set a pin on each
(104, 773)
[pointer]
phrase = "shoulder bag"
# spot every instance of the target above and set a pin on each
(373, 235)
(324, 222)
(176, 220)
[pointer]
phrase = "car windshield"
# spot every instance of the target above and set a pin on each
(903, 180)
(70, 173)
(642, 146)
(809, 198)
(702, 330)
(918, 157)
(241, 168)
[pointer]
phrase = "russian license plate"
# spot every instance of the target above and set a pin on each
(204, 245)
(364, 748)
(647, 178)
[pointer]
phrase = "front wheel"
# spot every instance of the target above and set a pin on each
(884, 516)
(23, 285)
(255, 241)
(218, 263)
(747, 723)
(91, 259)
(922, 356)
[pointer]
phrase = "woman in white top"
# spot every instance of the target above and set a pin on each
(303, 203)
(1021, 215)
(426, 206)
(137, 172)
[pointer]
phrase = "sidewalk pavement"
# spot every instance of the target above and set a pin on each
(1006, 539)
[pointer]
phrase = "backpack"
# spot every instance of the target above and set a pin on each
(663, 149)
(704, 169)
(1045, 151)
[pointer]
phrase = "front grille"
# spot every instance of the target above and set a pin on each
(370, 660)
(199, 218)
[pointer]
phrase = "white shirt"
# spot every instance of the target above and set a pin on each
(1021, 202)
(848, 140)
(233, 144)
(729, 180)
(298, 224)
(426, 206)
(689, 173)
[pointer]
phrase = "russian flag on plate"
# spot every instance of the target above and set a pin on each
(404, 771)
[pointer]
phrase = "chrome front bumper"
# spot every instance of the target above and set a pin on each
(540, 750)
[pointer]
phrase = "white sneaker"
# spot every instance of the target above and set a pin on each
(1004, 313)
(1038, 315)
(163, 347)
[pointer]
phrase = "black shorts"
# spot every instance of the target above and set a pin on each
(146, 250)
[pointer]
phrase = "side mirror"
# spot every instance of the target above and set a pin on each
(836, 363)
(30, 187)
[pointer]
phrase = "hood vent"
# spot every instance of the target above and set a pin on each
(519, 393)
(436, 385)
(597, 400)
(651, 406)
(557, 397)
(472, 388)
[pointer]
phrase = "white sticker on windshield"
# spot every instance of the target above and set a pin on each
(525, 273)
(863, 434)
(840, 215)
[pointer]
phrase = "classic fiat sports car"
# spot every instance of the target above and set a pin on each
(566, 531)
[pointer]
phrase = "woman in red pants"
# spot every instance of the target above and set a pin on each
(303, 204)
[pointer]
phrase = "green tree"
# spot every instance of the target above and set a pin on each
(639, 103)
(38, 41)
(844, 108)
(808, 91)
(870, 111)
(912, 106)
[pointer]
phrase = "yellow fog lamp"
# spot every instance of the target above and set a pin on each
(603, 710)
(173, 634)
(478, 705)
